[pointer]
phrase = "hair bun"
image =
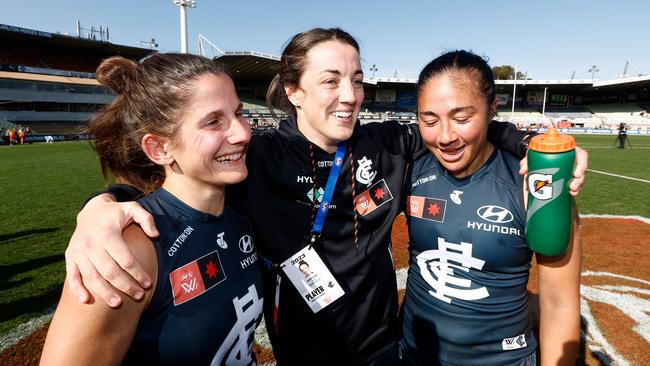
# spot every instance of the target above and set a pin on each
(116, 73)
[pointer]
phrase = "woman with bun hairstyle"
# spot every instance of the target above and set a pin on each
(175, 132)
(322, 185)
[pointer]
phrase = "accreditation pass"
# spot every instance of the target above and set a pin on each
(313, 280)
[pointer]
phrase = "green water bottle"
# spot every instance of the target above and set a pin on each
(550, 168)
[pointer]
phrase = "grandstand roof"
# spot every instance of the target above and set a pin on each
(396, 83)
(631, 83)
(250, 65)
(34, 38)
(48, 78)
(262, 67)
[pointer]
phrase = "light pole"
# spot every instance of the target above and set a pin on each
(594, 69)
(374, 69)
(183, 5)
(514, 94)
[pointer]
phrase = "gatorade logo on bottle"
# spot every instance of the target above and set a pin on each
(540, 186)
(548, 216)
(543, 188)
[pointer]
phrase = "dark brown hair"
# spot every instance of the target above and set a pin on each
(461, 60)
(292, 64)
(151, 98)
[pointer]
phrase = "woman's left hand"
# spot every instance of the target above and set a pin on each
(582, 161)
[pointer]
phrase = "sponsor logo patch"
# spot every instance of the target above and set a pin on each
(176, 245)
(221, 242)
(495, 214)
(196, 277)
(372, 198)
(516, 342)
(246, 244)
(427, 208)
(316, 195)
(455, 197)
(423, 180)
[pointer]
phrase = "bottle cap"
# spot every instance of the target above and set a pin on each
(552, 141)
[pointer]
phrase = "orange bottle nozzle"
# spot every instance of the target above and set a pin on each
(552, 142)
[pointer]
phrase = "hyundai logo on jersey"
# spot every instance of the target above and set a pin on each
(495, 214)
(246, 244)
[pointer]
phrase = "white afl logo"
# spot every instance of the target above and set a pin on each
(540, 186)
(246, 244)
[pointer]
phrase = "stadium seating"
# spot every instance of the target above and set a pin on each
(631, 114)
(47, 58)
(522, 117)
(576, 116)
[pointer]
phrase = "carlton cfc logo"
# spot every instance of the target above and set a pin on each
(540, 186)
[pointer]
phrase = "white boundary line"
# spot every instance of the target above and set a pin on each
(402, 273)
(596, 341)
(629, 217)
(618, 176)
(591, 273)
(613, 147)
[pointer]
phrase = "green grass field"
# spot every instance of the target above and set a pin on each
(42, 187)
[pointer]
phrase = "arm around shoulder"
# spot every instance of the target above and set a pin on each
(97, 251)
(506, 136)
(94, 333)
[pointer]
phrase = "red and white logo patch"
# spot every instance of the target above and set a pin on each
(432, 209)
(196, 277)
(372, 198)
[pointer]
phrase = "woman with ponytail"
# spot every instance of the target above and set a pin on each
(322, 189)
(174, 132)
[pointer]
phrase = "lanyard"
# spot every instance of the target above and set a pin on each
(329, 190)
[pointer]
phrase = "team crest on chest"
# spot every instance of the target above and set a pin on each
(365, 174)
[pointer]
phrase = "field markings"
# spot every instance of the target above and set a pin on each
(606, 147)
(618, 176)
(605, 216)
(595, 339)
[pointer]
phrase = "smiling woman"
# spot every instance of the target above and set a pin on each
(323, 188)
(329, 94)
(466, 300)
(176, 132)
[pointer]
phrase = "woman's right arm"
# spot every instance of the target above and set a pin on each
(98, 259)
(94, 333)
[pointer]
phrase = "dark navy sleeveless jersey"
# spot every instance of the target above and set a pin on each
(208, 296)
(466, 300)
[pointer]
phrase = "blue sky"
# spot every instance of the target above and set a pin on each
(549, 39)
